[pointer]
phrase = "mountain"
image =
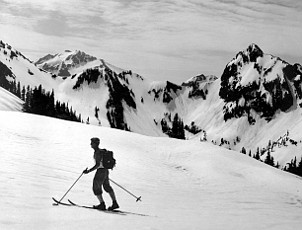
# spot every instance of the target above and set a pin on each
(67, 63)
(265, 91)
(254, 105)
(110, 96)
(212, 187)
(255, 82)
(14, 66)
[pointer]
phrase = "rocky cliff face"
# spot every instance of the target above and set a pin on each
(257, 83)
(198, 85)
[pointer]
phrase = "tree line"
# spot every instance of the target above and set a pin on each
(294, 166)
(177, 130)
(39, 101)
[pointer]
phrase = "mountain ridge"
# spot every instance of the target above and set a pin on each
(211, 108)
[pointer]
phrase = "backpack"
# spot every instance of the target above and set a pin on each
(108, 159)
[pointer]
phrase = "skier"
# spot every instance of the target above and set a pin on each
(101, 177)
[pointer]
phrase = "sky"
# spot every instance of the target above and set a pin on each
(160, 40)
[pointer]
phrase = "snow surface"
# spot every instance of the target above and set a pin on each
(183, 184)
(9, 102)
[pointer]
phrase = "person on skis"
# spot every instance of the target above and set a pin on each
(101, 178)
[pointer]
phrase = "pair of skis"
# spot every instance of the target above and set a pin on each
(82, 206)
(71, 203)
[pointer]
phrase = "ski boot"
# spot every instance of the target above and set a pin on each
(114, 206)
(101, 206)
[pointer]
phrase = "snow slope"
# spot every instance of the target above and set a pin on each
(24, 70)
(183, 184)
(9, 102)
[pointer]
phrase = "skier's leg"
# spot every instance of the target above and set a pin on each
(112, 195)
(109, 189)
(100, 198)
(97, 188)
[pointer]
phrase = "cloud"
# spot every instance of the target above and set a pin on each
(291, 4)
(151, 30)
(55, 24)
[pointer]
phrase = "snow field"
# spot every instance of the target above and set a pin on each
(183, 184)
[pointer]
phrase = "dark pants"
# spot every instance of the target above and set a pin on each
(101, 178)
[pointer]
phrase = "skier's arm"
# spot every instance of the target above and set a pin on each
(96, 166)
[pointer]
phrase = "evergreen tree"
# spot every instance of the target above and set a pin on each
(23, 93)
(52, 103)
(27, 105)
(164, 126)
(299, 168)
(178, 130)
(243, 151)
(269, 159)
(257, 156)
(292, 166)
(14, 88)
(18, 93)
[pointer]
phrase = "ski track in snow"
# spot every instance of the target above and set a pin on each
(183, 184)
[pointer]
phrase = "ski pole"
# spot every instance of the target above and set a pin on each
(71, 187)
(137, 198)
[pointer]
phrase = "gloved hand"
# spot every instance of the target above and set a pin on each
(86, 171)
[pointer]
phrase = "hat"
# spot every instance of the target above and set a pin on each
(95, 140)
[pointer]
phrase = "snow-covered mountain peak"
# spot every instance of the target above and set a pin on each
(7, 51)
(15, 67)
(77, 56)
(66, 64)
(45, 58)
(253, 51)
(251, 54)
(201, 78)
(261, 83)
(254, 48)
